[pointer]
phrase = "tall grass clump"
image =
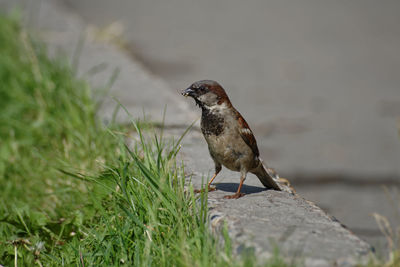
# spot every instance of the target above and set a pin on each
(47, 122)
(150, 218)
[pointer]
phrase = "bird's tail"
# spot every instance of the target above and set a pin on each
(266, 178)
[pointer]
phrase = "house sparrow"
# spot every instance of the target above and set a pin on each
(230, 141)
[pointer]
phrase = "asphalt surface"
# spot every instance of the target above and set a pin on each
(317, 81)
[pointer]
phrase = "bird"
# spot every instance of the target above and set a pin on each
(230, 141)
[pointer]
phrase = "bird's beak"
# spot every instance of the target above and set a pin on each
(188, 92)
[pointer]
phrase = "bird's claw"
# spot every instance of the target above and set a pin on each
(210, 189)
(234, 196)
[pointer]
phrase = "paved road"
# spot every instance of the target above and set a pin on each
(318, 81)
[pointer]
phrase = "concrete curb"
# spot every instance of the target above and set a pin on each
(262, 219)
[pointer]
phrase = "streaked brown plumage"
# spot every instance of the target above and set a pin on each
(230, 141)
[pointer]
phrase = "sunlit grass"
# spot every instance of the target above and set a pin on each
(47, 122)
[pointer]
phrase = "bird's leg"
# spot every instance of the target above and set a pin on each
(218, 168)
(238, 194)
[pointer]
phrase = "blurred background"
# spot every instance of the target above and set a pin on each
(318, 82)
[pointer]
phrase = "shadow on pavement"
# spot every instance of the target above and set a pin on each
(232, 187)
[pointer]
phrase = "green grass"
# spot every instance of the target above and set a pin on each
(72, 193)
(47, 122)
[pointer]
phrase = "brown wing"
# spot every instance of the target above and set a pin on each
(247, 135)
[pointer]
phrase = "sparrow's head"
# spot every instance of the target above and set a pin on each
(207, 93)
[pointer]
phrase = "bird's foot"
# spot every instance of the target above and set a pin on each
(210, 189)
(234, 196)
